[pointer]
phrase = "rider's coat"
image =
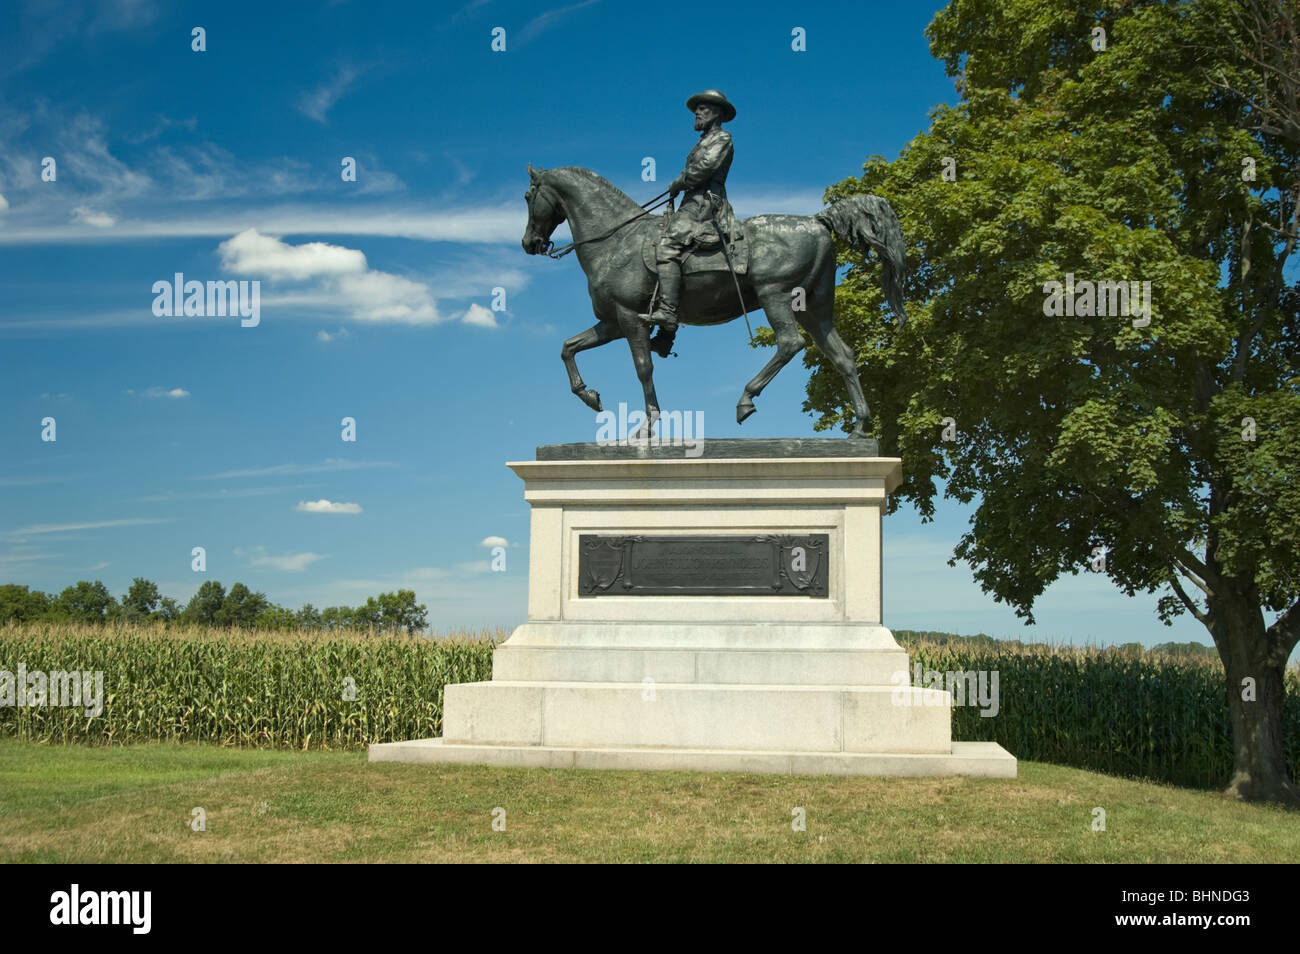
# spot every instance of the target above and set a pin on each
(706, 171)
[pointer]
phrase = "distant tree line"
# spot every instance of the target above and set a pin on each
(212, 605)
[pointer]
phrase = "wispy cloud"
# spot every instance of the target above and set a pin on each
(170, 496)
(43, 27)
(548, 19)
(29, 481)
(43, 528)
(497, 224)
(289, 562)
(18, 560)
(317, 103)
(286, 470)
(92, 217)
(103, 197)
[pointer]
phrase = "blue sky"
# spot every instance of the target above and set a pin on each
(181, 432)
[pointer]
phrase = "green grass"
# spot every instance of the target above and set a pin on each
(80, 804)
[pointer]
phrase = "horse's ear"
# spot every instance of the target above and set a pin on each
(533, 174)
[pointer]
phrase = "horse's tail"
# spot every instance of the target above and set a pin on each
(868, 222)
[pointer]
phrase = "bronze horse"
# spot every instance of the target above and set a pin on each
(786, 252)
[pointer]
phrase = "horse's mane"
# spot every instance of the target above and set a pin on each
(600, 181)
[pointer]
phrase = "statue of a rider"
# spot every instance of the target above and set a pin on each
(694, 224)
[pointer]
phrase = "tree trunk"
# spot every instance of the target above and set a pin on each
(1259, 771)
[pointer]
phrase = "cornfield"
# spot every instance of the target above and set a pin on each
(265, 689)
(1161, 718)
(1122, 714)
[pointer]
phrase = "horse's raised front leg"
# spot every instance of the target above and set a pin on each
(638, 340)
(598, 334)
(776, 305)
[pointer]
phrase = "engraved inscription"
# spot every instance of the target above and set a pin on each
(714, 565)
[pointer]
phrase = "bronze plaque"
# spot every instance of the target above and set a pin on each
(706, 565)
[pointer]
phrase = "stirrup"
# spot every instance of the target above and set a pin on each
(666, 321)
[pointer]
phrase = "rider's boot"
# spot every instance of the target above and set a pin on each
(670, 289)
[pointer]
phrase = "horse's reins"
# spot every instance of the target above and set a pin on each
(647, 208)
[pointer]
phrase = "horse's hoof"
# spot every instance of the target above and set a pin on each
(743, 410)
(590, 398)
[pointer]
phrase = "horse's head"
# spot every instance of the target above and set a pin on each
(544, 213)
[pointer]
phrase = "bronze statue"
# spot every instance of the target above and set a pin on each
(778, 262)
(704, 180)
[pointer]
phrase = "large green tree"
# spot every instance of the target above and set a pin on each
(1168, 448)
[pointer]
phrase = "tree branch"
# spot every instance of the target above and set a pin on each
(1201, 616)
(1286, 629)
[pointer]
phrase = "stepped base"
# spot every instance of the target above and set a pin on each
(972, 759)
(759, 718)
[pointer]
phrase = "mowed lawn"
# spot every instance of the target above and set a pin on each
(134, 804)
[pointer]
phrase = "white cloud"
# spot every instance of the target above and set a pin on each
(479, 316)
(327, 336)
(363, 293)
(4, 205)
(252, 253)
(494, 542)
(318, 102)
(164, 393)
(326, 506)
(379, 296)
(93, 218)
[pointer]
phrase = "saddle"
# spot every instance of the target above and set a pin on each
(707, 258)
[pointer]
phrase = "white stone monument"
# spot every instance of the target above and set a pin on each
(717, 613)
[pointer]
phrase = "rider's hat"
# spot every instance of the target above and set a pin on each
(717, 99)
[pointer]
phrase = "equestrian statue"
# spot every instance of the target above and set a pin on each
(699, 265)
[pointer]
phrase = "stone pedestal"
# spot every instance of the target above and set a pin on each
(718, 612)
